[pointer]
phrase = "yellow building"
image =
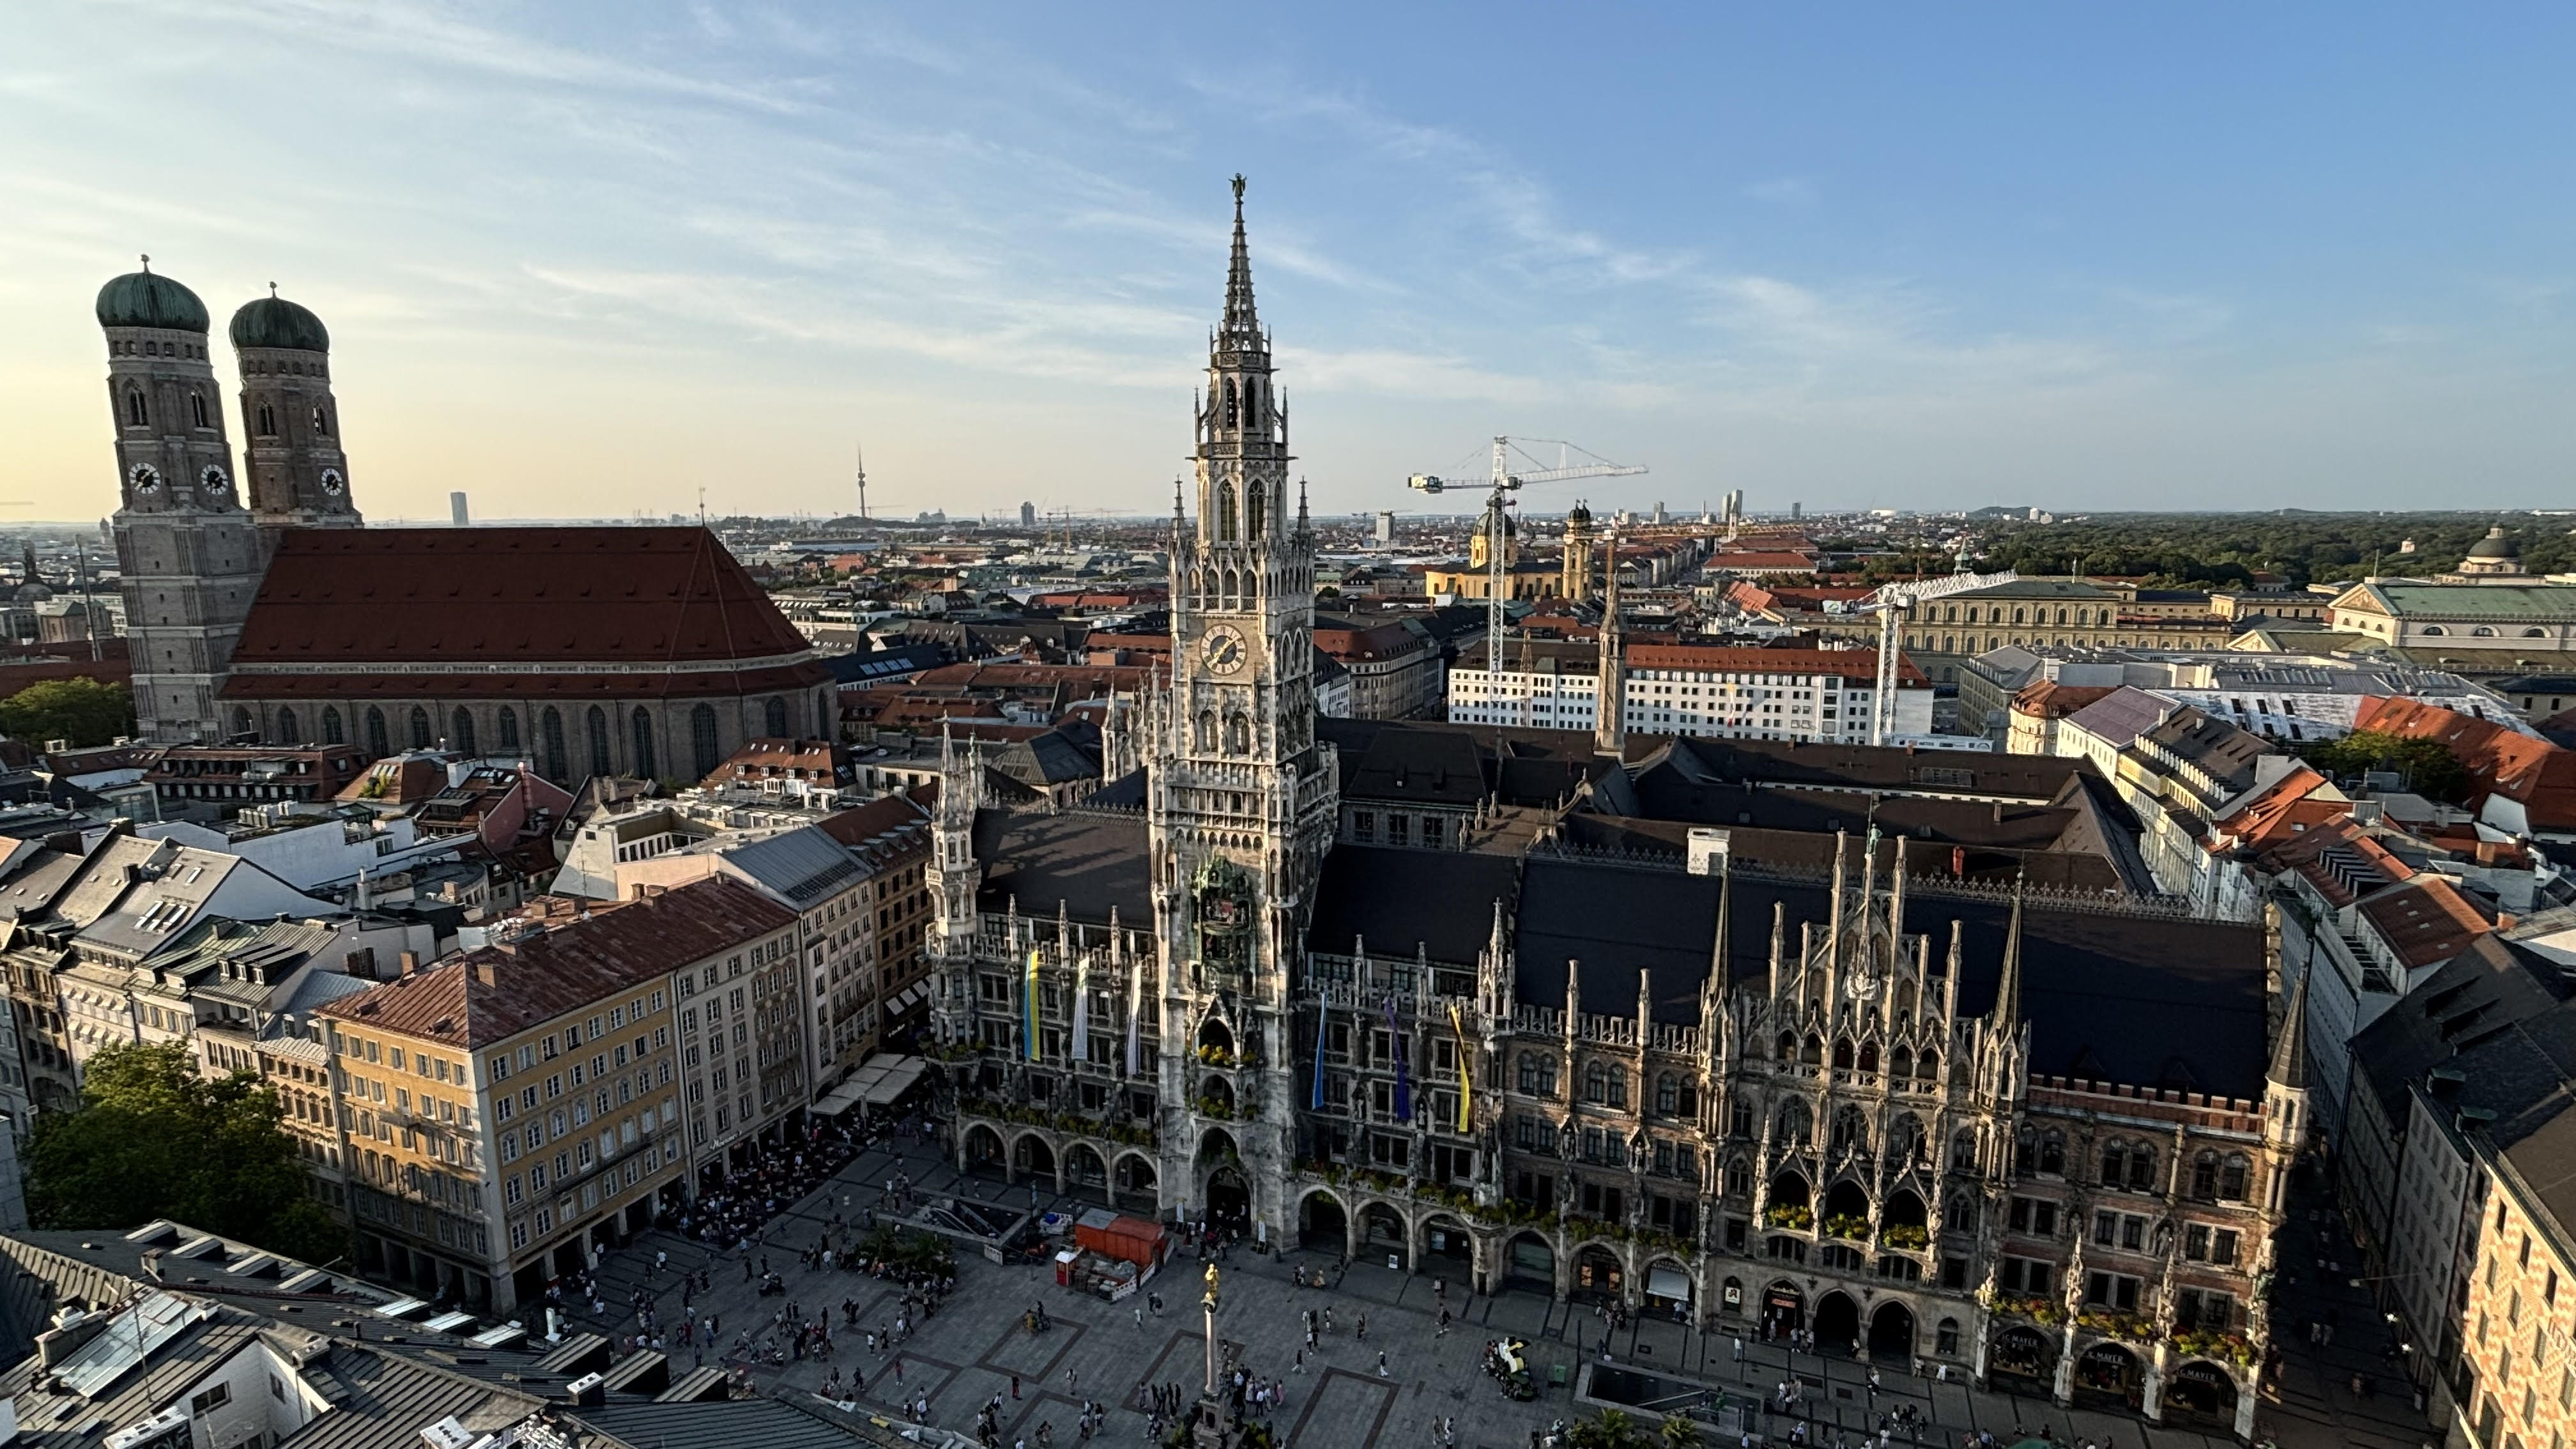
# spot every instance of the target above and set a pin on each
(506, 1113)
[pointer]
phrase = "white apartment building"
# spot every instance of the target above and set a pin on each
(1682, 689)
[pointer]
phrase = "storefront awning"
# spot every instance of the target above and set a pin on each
(1672, 1283)
(881, 1081)
(843, 1096)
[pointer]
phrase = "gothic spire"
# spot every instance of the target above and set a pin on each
(2008, 990)
(1242, 329)
(2290, 1053)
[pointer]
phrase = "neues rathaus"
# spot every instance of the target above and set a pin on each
(1537, 1011)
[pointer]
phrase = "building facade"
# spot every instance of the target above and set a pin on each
(1875, 1101)
(1771, 694)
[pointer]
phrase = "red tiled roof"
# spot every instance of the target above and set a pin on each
(2425, 922)
(513, 596)
(2049, 699)
(2534, 773)
(500, 991)
(2341, 862)
(2282, 809)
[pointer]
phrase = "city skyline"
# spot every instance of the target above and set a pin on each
(577, 265)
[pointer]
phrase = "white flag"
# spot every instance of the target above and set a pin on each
(1082, 1009)
(1135, 1015)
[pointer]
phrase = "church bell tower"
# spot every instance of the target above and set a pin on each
(1242, 801)
(188, 559)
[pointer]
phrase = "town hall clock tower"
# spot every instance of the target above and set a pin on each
(1242, 801)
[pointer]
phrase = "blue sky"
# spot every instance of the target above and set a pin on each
(593, 259)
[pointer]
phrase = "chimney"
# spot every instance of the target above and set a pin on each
(361, 963)
(487, 972)
(410, 963)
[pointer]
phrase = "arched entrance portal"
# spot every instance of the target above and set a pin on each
(1382, 1233)
(1133, 1178)
(983, 1147)
(1083, 1167)
(1784, 1307)
(1447, 1251)
(2202, 1396)
(1033, 1157)
(1229, 1200)
(1837, 1324)
(1531, 1263)
(1322, 1226)
(2024, 1358)
(1891, 1335)
(2108, 1376)
(1597, 1273)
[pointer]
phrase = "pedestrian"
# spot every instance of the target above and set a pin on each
(1361, 1331)
(1301, 1359)
(1140, 1316)
(1381, 1363)
(1444, 1324)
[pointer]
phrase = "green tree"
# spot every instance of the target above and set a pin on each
(153, 1139)
(2428, 768)
(1612, 1430)
(1680, 1431)
(83, 711)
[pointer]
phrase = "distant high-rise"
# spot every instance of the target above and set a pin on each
(1386, 528)
(1797, 511)
(1028, 515)
(456, 512)
(1659, 512)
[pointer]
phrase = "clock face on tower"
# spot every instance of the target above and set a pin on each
(331, 483)
(1224, 649)
(147, 479)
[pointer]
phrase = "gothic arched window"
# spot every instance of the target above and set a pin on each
(197, 409)
(773, 717)
(419, 728)
(1256, 510)
(267, 421)
(322, 422)
(550, 732)
(331, 725)
(595, 726)
(289, 732)
(505, 730)
(137, 413)
(460, 731)
(1796, 1122)
(640, 726)
(242, 728)
(703, 755)
(379, 742)
(1233, 414)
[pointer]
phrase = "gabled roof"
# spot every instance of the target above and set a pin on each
(449, 597)
(2122, 715)
(2523, 768)
(495, 993)
(2425, 921)
(1088, 862)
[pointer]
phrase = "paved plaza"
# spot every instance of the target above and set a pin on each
(977, 1347)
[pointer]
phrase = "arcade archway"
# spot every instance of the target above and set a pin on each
(2202, 1395)
(1530, 1262)
(1891, 1335)
(1837, 1324)
(1322, 1225)
(2108, 1376)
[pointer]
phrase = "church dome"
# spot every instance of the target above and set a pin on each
(2496, 545)
(1579, 513)
(273, 321)
(147, 299)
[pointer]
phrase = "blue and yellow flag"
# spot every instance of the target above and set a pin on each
(1029, 1010)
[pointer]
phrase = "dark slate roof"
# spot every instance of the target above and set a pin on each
(1434, 763)
(2477, 999)
(1869, 767)
(1087, 860)
(1437, 902)
(2150, 1000)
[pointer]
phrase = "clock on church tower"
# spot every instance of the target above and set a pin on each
(1241, 801)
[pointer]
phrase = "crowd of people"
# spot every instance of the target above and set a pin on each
(736, 1206)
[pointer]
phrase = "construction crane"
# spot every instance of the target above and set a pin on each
(1501, 486)
(1889, 604)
